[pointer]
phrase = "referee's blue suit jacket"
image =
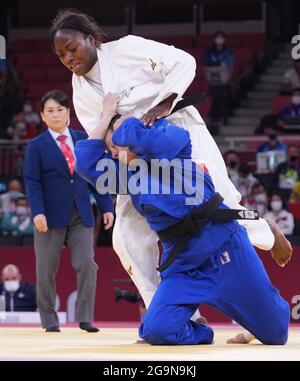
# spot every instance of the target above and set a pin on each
(52, 189)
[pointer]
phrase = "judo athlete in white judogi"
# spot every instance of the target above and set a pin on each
(150, 78)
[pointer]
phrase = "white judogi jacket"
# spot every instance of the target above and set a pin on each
(143, 73)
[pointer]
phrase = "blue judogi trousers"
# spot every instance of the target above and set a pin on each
(234, 281)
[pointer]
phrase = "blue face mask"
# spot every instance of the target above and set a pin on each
(14, 195)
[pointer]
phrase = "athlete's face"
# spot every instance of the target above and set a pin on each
(121, 153)
(75, 50)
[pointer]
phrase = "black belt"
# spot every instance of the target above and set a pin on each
(196, 221)
(189, 101)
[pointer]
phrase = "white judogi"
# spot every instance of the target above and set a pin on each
(144, 73)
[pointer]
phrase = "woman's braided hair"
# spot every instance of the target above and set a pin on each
(76, 20)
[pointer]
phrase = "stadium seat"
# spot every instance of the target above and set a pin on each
(280, 103)
(75, 124)
(253, 41)
(204, 108)
(181, 42)
(33, 75)
(23, 46)
(204, 41)
(48, 59)
(58, 74)
(295, 209)
(244, 56)
(25, 60)
(37, 90)
(42, 45)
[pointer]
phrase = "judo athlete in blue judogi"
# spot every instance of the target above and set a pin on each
(207, 258)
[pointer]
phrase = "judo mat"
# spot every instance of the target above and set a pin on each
(118, 343)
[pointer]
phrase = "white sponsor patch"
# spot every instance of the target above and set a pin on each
(225, 258)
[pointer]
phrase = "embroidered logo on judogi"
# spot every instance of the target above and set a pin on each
(225, 258)
(153, 64)
(125, 93)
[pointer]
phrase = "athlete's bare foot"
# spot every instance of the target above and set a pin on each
(282, 249)
(202, 320)
(241, 338)
(140, 341)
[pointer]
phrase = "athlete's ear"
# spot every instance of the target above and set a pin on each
(92, 40)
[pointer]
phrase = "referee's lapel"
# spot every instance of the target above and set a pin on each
(56, 152)
(74, 136)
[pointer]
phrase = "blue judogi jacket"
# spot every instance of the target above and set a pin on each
(163, 140)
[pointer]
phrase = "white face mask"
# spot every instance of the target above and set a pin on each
(27, 108)
(21, 126)
(219, 41)
(21, 210)
(296, 100)
(276, 205)
(260, 198)
(11, 285)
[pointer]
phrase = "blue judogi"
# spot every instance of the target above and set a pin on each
(219, 266)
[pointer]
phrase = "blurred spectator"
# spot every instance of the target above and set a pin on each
(267, 122)
(273, 143)
(280, 215)
(7, 199)
(258, 200)
(3, 71)
(291, 79)
(232, 162)
(244, 181)
(295, 195)
(293, 110)
(219, 61)
(19, 296)
(26, 124)
(288, 173)
(19, 222)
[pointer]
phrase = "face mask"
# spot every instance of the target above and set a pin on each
(276, 205)
(293, 158)
(27, 108)
(244, 175)
(21, 126)
(219, 41)
(21, 210)
(273, 136)
(14, 195)
(296, 100)
(260, 198)
(11, 285)
(232, 164)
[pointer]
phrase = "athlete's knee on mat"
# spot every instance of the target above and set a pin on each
(276, 332)
(157, 330)
(163, 332)
(152, 332)
(278, 336)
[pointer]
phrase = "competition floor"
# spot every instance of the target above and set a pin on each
(116, 343)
